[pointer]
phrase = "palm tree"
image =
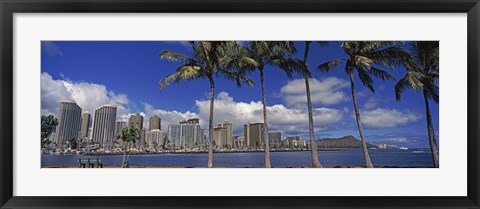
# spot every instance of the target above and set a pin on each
(128, 135)
(256, 57)
(422, 75)
(313, 146)
(209, 60)
(364, 58)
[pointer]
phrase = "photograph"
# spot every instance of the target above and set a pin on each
(239, 104)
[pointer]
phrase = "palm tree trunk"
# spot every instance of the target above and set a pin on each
(210, 123)
(128, 155)
(431, 133)
(124, 154)
(366, 156)
(265, 124)
(313, 144)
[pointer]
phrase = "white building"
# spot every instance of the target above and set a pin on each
(274, 138)
(228, 133)
(104, 126)
(173, 135)
(86, 122)
(184, 135)
(190, 134)
(69, 121)
(154, 139)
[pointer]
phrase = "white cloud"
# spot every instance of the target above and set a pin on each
(387, 118)
(167, 117)
(51, 49)
(280, 117)
(371, 103)
(88, 96)
(328, 91)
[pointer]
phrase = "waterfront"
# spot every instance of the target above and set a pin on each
(347, 157)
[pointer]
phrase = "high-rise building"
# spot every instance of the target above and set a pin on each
(184, 135)
(190, 133)
(136, 121)
(220, 137)
(194, 120)
(295, 142)
(274, 138)
(173, 135)
(69, 121)
(85, 126)
(142, 142)
(104, 126)
(119, 126)
(203, 137)
(154, 139)
(229, 133)
(253, 135)
(155, 123)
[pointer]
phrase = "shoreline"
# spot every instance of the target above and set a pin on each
(198, 152)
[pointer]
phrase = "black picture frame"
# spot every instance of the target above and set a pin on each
(10, 7)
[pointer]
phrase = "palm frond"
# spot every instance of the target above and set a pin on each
(366, 79)
(176, 57)
(183, 73)
(370, 46)
(292, 66)
(239, 77)
(363, 61)
(432, 93)
(390, 57)
(400, 87)
(328, 66)
(384, 75)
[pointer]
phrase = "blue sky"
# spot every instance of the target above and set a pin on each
(127, 73)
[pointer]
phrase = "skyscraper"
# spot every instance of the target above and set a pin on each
(274, 138)
(155, 139)
(184, 135)
(85, 126)
(203, 137)
(253, 135)
(104, 126)
(194, 120)
(173, 135)
(119, 126)
(155, 123)
(228, 133)
(142, 142)
(295, 141)
(69, 121)
(136, 121)
(190, 136)
(220, 137)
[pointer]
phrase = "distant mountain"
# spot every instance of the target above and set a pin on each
(344, 142)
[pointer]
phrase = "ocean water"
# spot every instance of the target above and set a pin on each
(348, 157)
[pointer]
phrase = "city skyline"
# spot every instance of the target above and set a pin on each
(185, 134)
(386, 121)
